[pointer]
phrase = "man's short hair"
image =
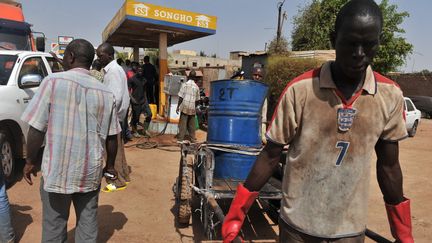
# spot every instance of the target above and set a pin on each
(107, 48)
(192, 74)
(358, 8)
(83, 51)
(146, 59)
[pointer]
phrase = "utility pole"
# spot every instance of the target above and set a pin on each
(279, 24)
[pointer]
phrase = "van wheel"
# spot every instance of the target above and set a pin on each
(413, 130)
(7, 155)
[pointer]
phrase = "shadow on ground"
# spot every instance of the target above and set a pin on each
(20, 219)
(109, 222)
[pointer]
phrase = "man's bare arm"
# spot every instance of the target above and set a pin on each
(35, 140)
(111, 147)
(389, 173)
(264, 166)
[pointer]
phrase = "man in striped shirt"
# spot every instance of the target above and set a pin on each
(76, 115)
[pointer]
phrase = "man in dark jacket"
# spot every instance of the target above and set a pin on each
(138, 84)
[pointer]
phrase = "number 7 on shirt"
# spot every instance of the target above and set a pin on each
(344, 148)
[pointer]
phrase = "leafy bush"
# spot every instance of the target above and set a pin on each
(280, 70)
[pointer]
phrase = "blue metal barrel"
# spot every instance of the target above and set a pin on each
(234, 115)
(232, 165)
(234, 118)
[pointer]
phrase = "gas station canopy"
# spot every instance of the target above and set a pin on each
(138, 24)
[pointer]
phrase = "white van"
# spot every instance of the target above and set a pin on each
(21, 72)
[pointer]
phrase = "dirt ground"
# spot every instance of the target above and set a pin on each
(144, 212)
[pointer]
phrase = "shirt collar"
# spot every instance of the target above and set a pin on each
(80, 70)
(110, 65)
(326, 79)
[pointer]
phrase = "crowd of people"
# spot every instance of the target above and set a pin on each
(78, 123)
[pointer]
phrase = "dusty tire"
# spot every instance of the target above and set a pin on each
(185, 192)
(413, 130)
(7, 158)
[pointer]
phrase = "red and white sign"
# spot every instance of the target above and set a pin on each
(54, 46)
(64, 40)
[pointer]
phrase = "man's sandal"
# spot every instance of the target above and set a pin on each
(112, 188)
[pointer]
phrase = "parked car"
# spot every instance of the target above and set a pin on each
(21, 73)
(424, 104)
(413, 116)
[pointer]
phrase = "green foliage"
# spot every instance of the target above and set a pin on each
(280, 70)
(394, 48)
(313, 25)
(278, 48)
(315, 22)
(122, 55)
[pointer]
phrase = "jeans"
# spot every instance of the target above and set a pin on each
(6, 230)
(136, 112)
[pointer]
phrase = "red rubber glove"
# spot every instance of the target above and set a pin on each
(240, 205)
(399, 217)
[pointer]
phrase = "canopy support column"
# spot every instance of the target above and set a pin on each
(163, 70)
(136, 54)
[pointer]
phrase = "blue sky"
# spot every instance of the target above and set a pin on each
(243, 25)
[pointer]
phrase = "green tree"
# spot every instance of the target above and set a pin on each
(202, 54)
(121, 55)
(278, 48)
(314, 23)
(281, 69)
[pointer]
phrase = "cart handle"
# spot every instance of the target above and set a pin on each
(215, 206)
(219, 213)
(376, 237)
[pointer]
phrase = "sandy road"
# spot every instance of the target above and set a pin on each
(144, 212)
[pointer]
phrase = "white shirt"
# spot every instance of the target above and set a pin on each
(115, 78)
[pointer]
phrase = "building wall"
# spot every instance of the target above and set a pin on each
(414, 84)
(185, 52)
(187, 61)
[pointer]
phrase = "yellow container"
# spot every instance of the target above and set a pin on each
(153, 108)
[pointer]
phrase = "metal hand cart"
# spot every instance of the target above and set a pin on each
(196, 181)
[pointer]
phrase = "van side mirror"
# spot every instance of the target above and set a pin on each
(40, 44)
(30, 81)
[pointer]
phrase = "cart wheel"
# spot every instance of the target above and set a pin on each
(206, 222)
(184, 190)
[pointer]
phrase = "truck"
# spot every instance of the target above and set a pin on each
(21, 73)
(15, 33)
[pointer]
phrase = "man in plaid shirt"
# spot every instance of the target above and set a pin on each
(76, 115)
(188, 96)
